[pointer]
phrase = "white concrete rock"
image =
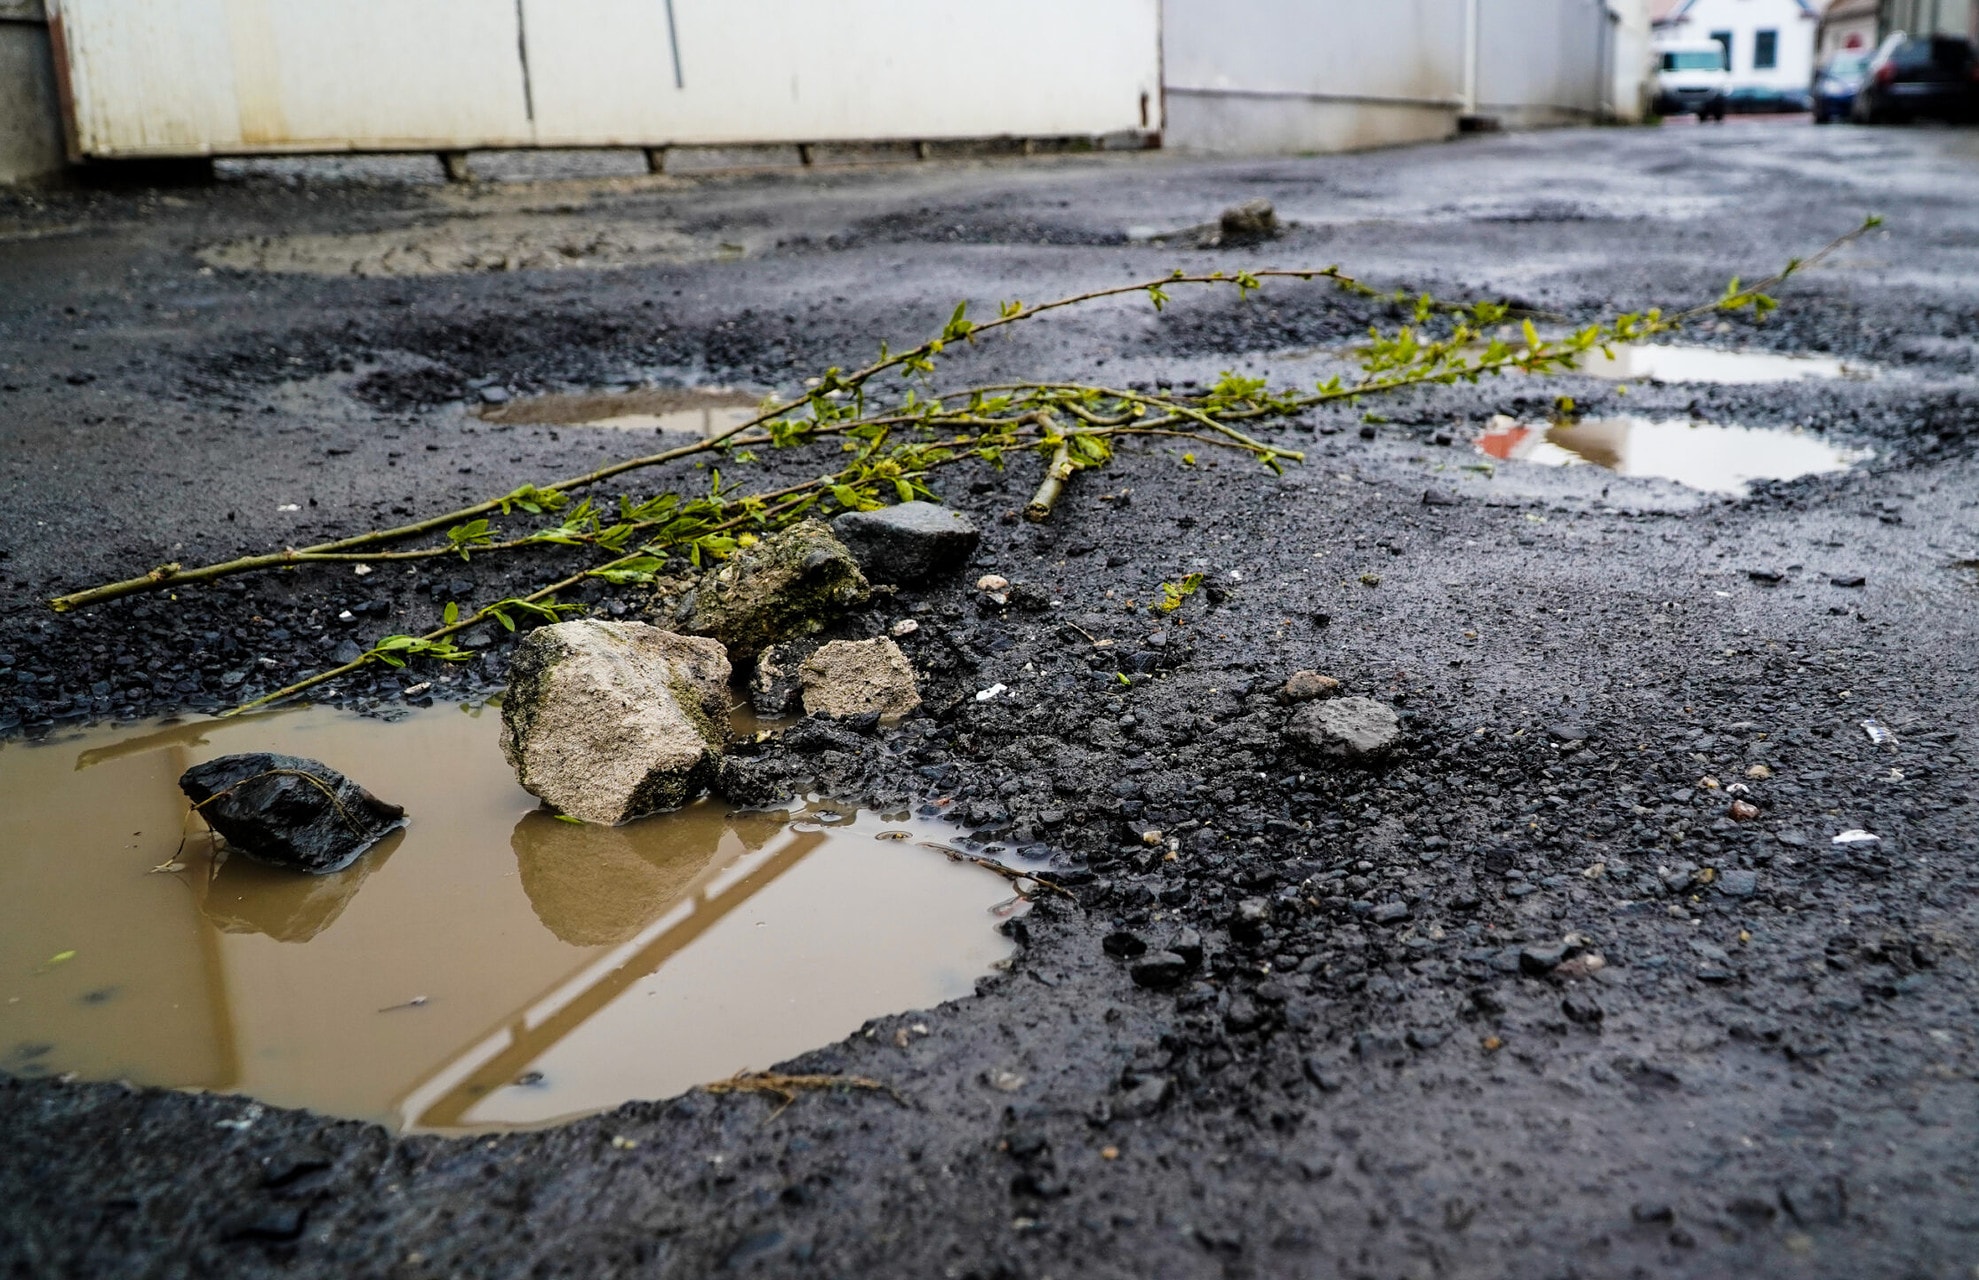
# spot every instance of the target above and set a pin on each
(853, 677)
(608, 721)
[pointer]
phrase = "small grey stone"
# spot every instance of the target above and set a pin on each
(1390, 913)
(1582, 1009)
(1357, 728)
(1738, 884)
(909, 542)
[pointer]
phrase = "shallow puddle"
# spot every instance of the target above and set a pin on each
(1713, 364)
(1715, 459)
(697, 411)
(489, 967)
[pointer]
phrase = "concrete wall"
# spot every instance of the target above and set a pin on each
(1310, 75)
(239, 77)
(1332, 75)
(1540, 62)
(30, 117)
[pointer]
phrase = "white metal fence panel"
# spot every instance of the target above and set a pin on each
(166, 77)
(1542, 57)
(1405, 51)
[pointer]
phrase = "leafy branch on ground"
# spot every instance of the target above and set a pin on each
(891, 442)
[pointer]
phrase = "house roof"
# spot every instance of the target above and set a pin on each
(1663, 11)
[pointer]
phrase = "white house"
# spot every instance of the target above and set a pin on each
(1770, 42)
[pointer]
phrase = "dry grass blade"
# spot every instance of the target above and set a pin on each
(1012, 874)
(787, 1087)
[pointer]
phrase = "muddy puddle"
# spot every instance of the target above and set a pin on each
(1650, 363)
(489, 967)
(1699, 455)
(695, 411)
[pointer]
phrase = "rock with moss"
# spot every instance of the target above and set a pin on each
(609, 721)
(788, 585)
(859, 677)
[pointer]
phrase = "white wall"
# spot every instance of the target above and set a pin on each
(175, 77)
(1540, 62)
(1310, 75)
(1330, 75)
(1745, 19)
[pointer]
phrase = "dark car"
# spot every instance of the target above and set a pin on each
(1835, 85)
(1935, 76)
(1751, 100)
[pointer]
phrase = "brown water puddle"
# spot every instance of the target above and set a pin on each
(1704, 456)
(490, 967)
(697, 411)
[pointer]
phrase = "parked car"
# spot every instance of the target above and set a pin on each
(1691, 79)
(1753, 100)
(1835, 85)
(1935, 76)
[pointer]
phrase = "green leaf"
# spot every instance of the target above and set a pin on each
(451, 613)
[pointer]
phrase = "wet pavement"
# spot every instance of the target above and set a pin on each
(1578, 981)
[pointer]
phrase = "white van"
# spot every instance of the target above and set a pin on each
(1692, 79)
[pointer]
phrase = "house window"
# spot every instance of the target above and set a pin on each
(1725, 38)
(1765, 50)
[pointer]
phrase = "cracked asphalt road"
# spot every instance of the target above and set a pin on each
(1395, 1057)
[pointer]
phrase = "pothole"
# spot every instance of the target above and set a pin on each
(697, 411)
(1704, 456)
(489, 967)
(1649, 363)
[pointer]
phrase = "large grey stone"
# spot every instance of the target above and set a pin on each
(855, 677)
(910, 542)
(1353, 727)
(607, 721)
(788, 585)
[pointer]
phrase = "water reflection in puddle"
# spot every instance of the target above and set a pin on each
(489, 967)
(1715, 459)
(697, 411)
(1713, 364)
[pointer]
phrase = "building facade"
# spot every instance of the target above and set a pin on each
(1769, 43)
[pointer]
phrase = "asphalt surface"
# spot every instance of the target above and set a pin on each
(1396, 1056)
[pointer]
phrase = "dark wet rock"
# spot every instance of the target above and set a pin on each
(788, 585)
(1738, 883)
(1143, 1099)
(1849, 580)
(1159, 969)
(1389, 912)
(1251, 918)
(1188, 944)
(777, 681)
(1248, 222)
(289, 812)
(1357, 728)
(1122, 945)
(1304, 686)
(1582, 1009)
(752, 783)
(608, 721)
(1541, 959)
(908, 543)
(859, 677)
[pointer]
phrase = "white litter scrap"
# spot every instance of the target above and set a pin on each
(984, 695)
(1856, 835)
(1877, 733)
